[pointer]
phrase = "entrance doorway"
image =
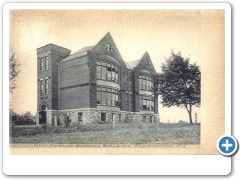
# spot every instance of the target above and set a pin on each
(42, 115)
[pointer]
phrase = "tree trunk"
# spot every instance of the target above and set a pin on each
(190, 114)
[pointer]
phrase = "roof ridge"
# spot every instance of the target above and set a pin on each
(86, 48)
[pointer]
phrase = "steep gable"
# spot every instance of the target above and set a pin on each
(107, 46)
(146, 63)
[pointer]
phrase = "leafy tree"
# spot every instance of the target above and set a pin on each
(179, 84)
(24, 119)
(13, 70)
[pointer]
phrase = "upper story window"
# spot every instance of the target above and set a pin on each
(147, 63)
(129, 76)
(41, 86)
(145, 82)
(108, 71)
(129, 98)
(46, 63)
(46, 86)
(41, 64)
(108, 48)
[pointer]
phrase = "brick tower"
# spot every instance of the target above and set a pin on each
(48, 58)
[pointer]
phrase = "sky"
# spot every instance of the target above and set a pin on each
(134, 32)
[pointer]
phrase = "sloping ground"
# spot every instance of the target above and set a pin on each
(124, 133)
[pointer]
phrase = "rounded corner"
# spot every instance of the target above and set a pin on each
(5, 173)
(229, 172)
(6, 5)
(228, 5)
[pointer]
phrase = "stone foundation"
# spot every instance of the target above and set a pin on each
(137, 117)
(93, 115)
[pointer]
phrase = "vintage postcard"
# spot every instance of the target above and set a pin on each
(114, 80)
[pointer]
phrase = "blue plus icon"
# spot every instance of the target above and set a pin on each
(227, 145)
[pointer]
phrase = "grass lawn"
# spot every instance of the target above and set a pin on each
(124, 133)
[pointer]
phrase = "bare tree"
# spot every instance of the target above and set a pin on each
(14, 70)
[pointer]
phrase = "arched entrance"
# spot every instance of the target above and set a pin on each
(42, 115)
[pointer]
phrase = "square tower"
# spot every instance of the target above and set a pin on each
(48, 58)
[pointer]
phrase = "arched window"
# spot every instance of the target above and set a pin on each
(44, 108)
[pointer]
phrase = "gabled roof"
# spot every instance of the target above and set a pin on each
(132, 64)
(79, 53)
(87, 48)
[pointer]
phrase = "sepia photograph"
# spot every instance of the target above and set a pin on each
(113, 78)
(117, 89)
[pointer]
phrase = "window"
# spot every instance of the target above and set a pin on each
(126, 97)
(80, 117)
(99, 72)
(107, 71)
(150, 119)
(140, 102)
(140, 84)
(109, 48)
(114, 98)
(108, 96)
(104, 96)
(99, 97)
(46, 62)
(46, 86)
(152, 100)
(145, 82)
(146, 102)
(104, 72)
(41, 64)
(116, 74)
(113, 73)
(117, 102)
(41, 86)
(150, 85)
(103, 117)
(144, 119)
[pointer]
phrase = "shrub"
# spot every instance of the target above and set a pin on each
(24, 119)
(64, 119)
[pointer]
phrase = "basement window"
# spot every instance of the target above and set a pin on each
(103, 117)
(80, 117)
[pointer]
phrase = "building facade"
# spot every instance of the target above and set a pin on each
(94, 85)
